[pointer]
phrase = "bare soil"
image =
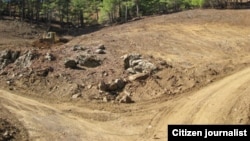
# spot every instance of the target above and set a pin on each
(10, 127)
(191, 49)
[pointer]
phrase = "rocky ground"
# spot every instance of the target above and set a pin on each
(161, 56)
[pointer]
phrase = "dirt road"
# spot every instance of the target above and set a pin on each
(51, 122)
(223, 102)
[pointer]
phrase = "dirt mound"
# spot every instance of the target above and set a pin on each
(41, 44)
(46, 44)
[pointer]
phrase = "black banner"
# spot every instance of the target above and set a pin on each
(208, 132)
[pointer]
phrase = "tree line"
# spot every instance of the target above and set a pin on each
(88, 12)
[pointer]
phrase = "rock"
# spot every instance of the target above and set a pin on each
(70, 64)
(6, 54)
(126, 99)
(4, 63)
(49, 57)
(138, 76)
(26, 59)
(44, 72)
(89, 86)
(15, 55)
(101, 46)
(105, 99)
(120, 83)
(143, 66)
(102, 86)
(20, 75)
(104, 73)
(78, 47)
(88, 60)
(100, 51)
(164, 63)
(7, 57)
(76, 96)
(134, 63)
(8, 82)
(131, 70)
(128, 57)
(113, 86)
(6, 134)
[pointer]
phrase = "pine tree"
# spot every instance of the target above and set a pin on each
(109, 9)
(79, 6)
(2, 6)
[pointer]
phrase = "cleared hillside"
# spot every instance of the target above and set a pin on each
(189, 49)
(75, 91)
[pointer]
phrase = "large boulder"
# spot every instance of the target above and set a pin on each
(143, 66)
(134, 63)
(128, 58)
(26, 59)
